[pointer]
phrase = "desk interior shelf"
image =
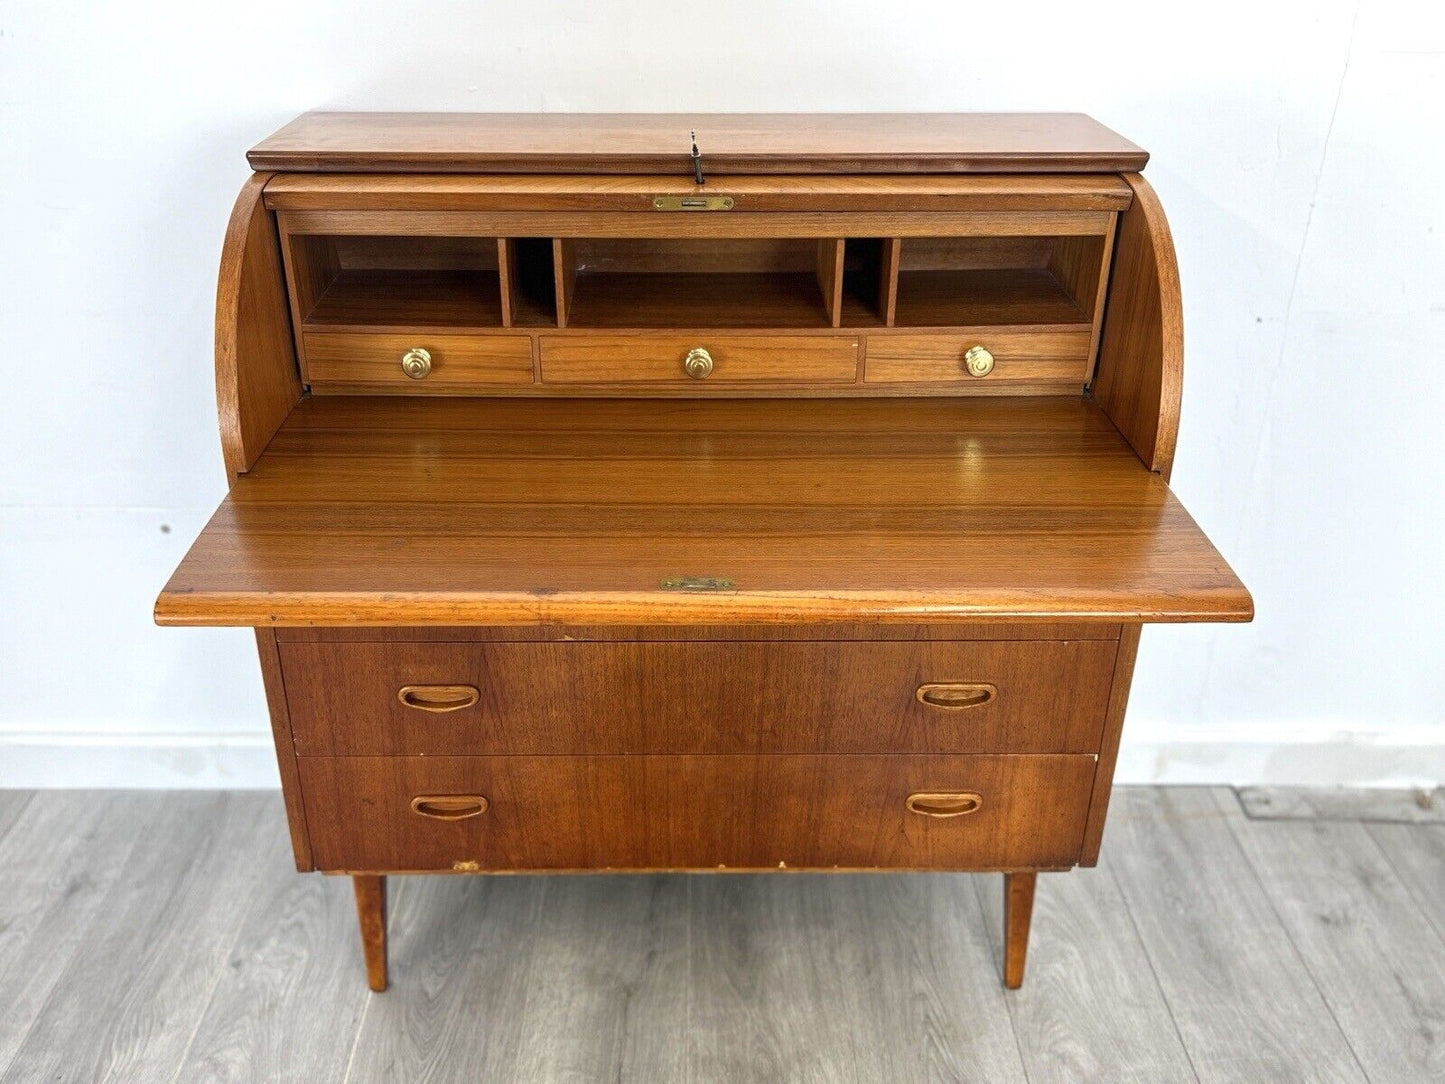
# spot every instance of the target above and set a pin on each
(396, 282)
(643, 283)
(996, 281)
(1033, 300)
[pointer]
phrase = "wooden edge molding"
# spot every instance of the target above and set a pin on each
(772, 225)
(468, 866)
(1140, 375)
(568, 192)
(274, 683)
(782, 143)
(976, 631)
(189, 606)
(1109, 744)
(257, 381)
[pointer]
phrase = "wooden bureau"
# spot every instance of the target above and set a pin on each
(594, 518)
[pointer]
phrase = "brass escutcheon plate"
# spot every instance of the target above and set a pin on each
(696, 583)
(692, 203)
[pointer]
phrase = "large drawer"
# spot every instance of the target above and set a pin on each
(377, 814)
(1034, 696)
(733, 359)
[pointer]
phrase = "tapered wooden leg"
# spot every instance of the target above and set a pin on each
(371, 915)
(1018, 909)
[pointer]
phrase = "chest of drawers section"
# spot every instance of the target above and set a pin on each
(940, 754)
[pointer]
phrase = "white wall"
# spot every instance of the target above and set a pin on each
(1298, 152)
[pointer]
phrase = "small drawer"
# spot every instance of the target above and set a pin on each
(379, 814)
(1018, 357)
(700, 360)
(941, 696)
(441, 362)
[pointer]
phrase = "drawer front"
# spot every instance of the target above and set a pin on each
(736, 359)
(1019, 357)
(679, 812)
(457, 361)
(708, 697)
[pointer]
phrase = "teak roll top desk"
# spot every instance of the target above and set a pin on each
(793, 502)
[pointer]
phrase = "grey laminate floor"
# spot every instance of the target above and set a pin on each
(156, 937)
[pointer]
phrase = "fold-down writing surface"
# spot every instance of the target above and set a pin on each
(485, 511)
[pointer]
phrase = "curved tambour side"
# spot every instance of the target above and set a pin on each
(1138, 383)
(257, 379)
(1140, 373)
(257, 384)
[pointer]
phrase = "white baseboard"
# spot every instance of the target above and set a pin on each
(137, 761)
(247, 761)
(1352, 763)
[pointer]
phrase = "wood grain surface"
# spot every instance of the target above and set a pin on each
(730, 143)
(922, 192)
(1018, 911)
(1245, 1005)
(293, 993)
(204, 847)
(283, 736)
(1113, 733)
(61, 858)
(748, 978)
(773, 225)
(1334, 890)
(758, 697)
(1082, 941)
(658, 359)
(257, 381)
(695, 812)
(445, 512)
(461, 364)
(1045, 356)
(1140, 376)
(807, 979)
(831, 631)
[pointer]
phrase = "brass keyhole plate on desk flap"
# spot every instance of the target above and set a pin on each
(697, 583)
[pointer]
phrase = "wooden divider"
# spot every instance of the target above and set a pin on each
(830, 279)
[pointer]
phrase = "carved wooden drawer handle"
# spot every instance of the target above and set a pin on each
(945, 804)
(449, 807)
(438, 698)
(956, 695)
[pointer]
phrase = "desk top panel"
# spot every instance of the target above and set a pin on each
(414, 512)
(729, 143)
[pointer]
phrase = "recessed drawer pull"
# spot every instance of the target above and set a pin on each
(438, 698)
(449, 807)
(956, 695)
(950, 804)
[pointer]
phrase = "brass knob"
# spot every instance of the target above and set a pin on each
(416, 363)
(697, 364)
(978, 361)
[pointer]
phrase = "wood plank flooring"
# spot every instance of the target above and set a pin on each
(164, 937)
